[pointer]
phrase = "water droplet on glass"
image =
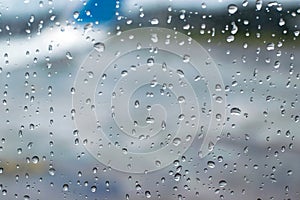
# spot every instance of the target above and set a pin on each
(222, 183)
(99, 46)
(154, 21)
(150, 62)
(124, 73)
(93, 189)
(148, 194)
(235, 111)
(232, 9)
(76, 14)
(157, 163)
(181, 99)
(258, 4)
(277, 64)
(69, 55)
(65, 187)
(180, 73)
(163, 125)
(35, 159)
(281, 22)
(150, 120)
(211, 164)
(52, 171)
(26, 197)
(176, 141)
(230, 38)
(177, 177)
(186, 58)
(270, 46)
(136, 104)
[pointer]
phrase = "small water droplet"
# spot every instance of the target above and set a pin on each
(211, 164)
(150, 62)
(99, 46)
(75, 14)
(230, 38)
(235, 111)
(258, 4)
(177, 177)
(52, 171)
(148, 194)
(93, 189)
(65, 187)
(157, 163)
(154, 21)
(180, 73)
(181, 99)
(69, 55)
(222, 183)
(270, 46)
(124, 73)
(35, 159)
(186, 58)
(232, 8)
(163, 125)
(277, 64)
(176, 141)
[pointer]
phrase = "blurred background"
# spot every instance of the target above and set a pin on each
(255, 45)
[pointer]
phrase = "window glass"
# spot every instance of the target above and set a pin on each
(149, 99)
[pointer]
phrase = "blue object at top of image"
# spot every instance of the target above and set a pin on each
(101, 11)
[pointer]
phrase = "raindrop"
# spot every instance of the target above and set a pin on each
(52, 171)
(69, 55)
(124, 73)
(270, 46)
(65, 187)
(99, 46)
(176, 141)
(281, 22)
(26, 197)
(93, 189)
(177, 177)
(258, 4)
(35, 159)
(222, 183)
(157, 163)
(232, 9)
(230, 38)
(154, 21)
(277, 64)
(180, 73)
(150, 62)
(235, 111)
(163, 125)
(211, 164)
(76, 14)
(186, 58)
(150, 120)
(136, 104)
(148, 194)
(181, 99)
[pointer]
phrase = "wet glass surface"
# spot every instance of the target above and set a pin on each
(149, 99)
